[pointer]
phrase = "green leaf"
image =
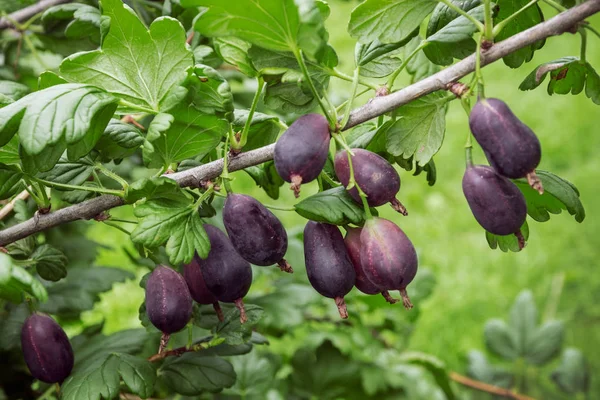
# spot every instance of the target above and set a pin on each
(189, 134)
(479, 368)
(334, 206)
(142, 66)
(15, 280)
(48, 79)
(381, 67)
(193, 373)
(508, 242)
(9, 153)
(546, 343)
(153, 189)
(525, 20)
(265, 175)
(10, 328)
(235, 52)
(90, 350)
(537, 76)
(435, 366)
(12, 91)
(419, 130)
(360, 136)
(573, 374)
(10, 181)
(559, 194)
(102, 379)
(50, 262)
(119, 140)
(80, 290)
(388, 21)
(523, 320)
(84, 113)
(84, 20)
(264, 128)
(449, 34)
(176, 223)
(429, 168)
(210, 92)
(206, 55)
(280, 25)
(277, 313)
(365, 53)
(233, 331)
(255, 376)
(419, 66)
(592, 85)
(70, 172)
(500, 340)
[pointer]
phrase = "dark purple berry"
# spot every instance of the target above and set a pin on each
(373, 174)
(328, 264)
(301, 152)
(46, 349)
(168, 300)
(198, 290)
(388, 257)
(511, 146)
(353, 244)
(255, 232)
(226, 274)
(497, 203)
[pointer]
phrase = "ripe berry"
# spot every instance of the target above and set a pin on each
(301, 152)
(388, 257)
(510, 146)
(255, 232)
(168, 300)
(497, 203)
(373, 174)
(226, 274)
(198, 290)
(328, 264)
(353, 244)
(46, 349)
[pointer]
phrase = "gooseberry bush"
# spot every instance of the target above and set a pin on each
(149, 106)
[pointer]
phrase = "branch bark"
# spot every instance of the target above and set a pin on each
(485, 387)
(28, 12)
(561, 23)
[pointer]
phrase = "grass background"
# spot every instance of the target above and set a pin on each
(475, 283)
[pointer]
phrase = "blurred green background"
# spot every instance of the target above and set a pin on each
(474, 283)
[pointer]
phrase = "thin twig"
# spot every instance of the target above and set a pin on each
(486, 387)
(374, 108)
(176, 352)
(28, 12)
(7, 209)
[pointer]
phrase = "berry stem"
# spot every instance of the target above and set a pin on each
(279, 208)
(285, 266)
(341, 305)
(339, 74)
(480, 84)
(583, 34)
(239, 304)
(190, 342)
(386, 295)
(392, 79)
(164, 341)
(351, 99)
(244, 137)
(217, 308)
(105, 171)
(225, 174)
(405, 299)
(488, 24)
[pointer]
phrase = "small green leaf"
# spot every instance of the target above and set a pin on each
(420, 66)
(559, 194)
(206, 55)
(154, 189)
(365, 53)
(188, 239)
(537, 76)
(545, 343)
(233, 331)
(15, 280)
(525, 20)
(360, 136)
(523, 320)
(70, 172)
(380, 67)
(592, 85)
(119, 140)
(10, 181)
(419, 130)
(334, 206)
(193, 374)
(508, 242)
(264, 128)
(255, 376)
(50, 262)
(573, 374)
(266, 176)
(12, 90)
(388, 21)
(210, 92)
(479, 368)
(500, 340)
(235, 52)
(12, 324)
(9, 153)
(435, 366)
(152, 63)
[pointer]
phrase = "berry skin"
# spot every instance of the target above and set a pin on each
(353, 245)
(301, 152)
(510, 146)
(497, 203)
(255, 232)
(46, 349)
(198, 290)
(373, 174)
(226, 274)
(388, 257)
(328, 264)
(168, 300)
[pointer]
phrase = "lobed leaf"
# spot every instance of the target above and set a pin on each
(334, 206)
(193, 374)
